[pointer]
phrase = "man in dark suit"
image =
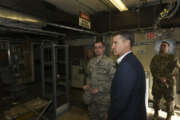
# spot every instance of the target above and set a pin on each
(128, 85)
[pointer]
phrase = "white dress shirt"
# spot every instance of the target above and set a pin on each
(121, 57)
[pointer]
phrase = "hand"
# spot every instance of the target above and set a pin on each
(163, 79)
(95, 91)
(85, 87)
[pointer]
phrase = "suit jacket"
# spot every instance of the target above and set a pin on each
(128, 91)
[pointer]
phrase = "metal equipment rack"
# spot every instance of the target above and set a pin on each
(55, 74)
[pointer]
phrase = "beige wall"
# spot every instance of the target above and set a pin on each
(178, 77)
(146, 52)
(144, 49)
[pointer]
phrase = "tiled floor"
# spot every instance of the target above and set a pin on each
(77, 113)
(162, 115)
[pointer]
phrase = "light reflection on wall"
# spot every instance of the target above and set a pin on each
(172, 46)
(163, 114)
(13, 15)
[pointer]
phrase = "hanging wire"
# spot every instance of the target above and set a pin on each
(168, 12)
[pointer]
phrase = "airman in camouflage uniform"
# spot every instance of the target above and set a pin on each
(164, 70)
(101, 70)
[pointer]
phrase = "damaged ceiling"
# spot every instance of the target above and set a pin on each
(96, 6)
(104, 16)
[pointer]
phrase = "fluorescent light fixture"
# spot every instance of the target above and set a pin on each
(8, 14)
(119, 4)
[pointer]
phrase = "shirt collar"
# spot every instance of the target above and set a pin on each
(98, 60)
(121, 57)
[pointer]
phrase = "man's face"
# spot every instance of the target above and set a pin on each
(99, 49)
(164, 48)
(118, 45)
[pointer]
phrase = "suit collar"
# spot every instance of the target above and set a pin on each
(123, 56)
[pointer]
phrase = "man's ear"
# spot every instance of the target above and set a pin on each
(127, 42)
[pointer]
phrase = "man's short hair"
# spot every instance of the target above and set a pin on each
(127, 36)
(99, 41)
(164, 41)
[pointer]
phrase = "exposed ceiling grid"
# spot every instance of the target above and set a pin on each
(94, 6)
(77, 6)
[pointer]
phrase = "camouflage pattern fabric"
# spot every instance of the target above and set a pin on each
(164, 66)
(100, 75)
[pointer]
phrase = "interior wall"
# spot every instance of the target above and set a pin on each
(81, 41)
(178, 77)
(144, 50)
(177, 35)
(78, 59)
(145, 53)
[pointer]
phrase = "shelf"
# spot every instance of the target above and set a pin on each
(58, 83)
(60, 91)
(55, 73)
(61, 83)
(50, 63)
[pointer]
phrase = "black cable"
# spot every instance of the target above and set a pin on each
(168, 12)
(175, 10)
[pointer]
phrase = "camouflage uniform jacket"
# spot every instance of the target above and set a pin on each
(100, 75)
(164, 66)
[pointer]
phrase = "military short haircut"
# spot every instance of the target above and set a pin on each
(99, 41)
(127, 36)
(165, 42)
